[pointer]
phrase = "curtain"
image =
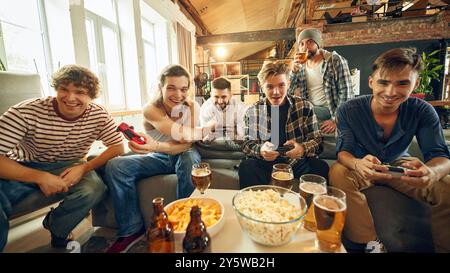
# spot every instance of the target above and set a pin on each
(184, 43)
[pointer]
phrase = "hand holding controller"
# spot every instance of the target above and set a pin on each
(129, 133)
(396, 172)
(284, 149)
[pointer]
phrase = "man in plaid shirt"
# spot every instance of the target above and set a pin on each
(321, 77)
(277, 120)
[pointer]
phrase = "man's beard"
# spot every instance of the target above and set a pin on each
(220, 106)
(312, 54)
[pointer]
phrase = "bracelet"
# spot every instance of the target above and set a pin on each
(157, 146)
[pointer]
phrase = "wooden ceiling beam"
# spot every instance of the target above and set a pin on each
(293, 17)
(248, 36)
(310, 7)
(187, 5)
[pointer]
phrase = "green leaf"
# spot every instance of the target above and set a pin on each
(433, 61)
(429, 73)
(434, 52)
(437, 67)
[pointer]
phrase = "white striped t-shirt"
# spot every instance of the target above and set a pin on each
(33, 130)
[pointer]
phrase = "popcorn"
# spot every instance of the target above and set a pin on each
(267, 206)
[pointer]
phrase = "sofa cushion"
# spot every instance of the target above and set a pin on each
(148, 189)
(219, 149)
(216, 163)
(17, 87)
(329, 147)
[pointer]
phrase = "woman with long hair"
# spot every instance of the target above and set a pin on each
(170, 122)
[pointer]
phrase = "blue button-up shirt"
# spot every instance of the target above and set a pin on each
(360, 135)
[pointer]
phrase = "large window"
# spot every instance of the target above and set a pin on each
(105, 51)
(151, 63)
(155, 45)
(23, 40)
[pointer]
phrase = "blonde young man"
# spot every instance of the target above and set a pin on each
(379, 128)
(279, 119)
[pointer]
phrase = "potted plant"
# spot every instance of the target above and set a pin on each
(431, 68)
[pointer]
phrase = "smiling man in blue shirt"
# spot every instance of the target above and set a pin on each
(379, 128)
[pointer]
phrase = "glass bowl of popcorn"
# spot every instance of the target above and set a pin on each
(269, 215)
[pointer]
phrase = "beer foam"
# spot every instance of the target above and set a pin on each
(313, 188)
(329, 203)
(282, 176)
(201, 172)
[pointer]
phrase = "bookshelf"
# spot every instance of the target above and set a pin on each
(225, 69)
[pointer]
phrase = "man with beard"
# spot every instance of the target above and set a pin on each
(379, 128)
(225, 111)
(321, 77)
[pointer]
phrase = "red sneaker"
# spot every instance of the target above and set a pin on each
(123, 244)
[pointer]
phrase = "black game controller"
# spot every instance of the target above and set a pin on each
(284, 149)
(396, 172)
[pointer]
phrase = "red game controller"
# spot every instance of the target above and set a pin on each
(129, 133)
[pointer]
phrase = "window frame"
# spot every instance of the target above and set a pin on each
(98, 23)
(45, 76)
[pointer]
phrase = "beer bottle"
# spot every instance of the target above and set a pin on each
(197, 239)
(160, 238)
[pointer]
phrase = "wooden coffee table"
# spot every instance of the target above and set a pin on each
(231, 238)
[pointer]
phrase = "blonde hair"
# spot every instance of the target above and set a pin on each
(174, 70)
(274, 68)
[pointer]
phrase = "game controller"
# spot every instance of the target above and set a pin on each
(284, 149)
(129, 133)
(395, 171)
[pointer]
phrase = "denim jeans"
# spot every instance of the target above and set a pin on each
(76, 204)
(122, 173)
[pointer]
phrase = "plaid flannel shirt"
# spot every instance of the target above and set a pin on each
(337, 81)
(301, 126)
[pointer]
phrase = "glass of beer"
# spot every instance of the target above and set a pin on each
(300, 58)
(201, 176)
(282, 176)
(310, 185)
(330, 210)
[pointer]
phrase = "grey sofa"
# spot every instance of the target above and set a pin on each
(401, 222)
